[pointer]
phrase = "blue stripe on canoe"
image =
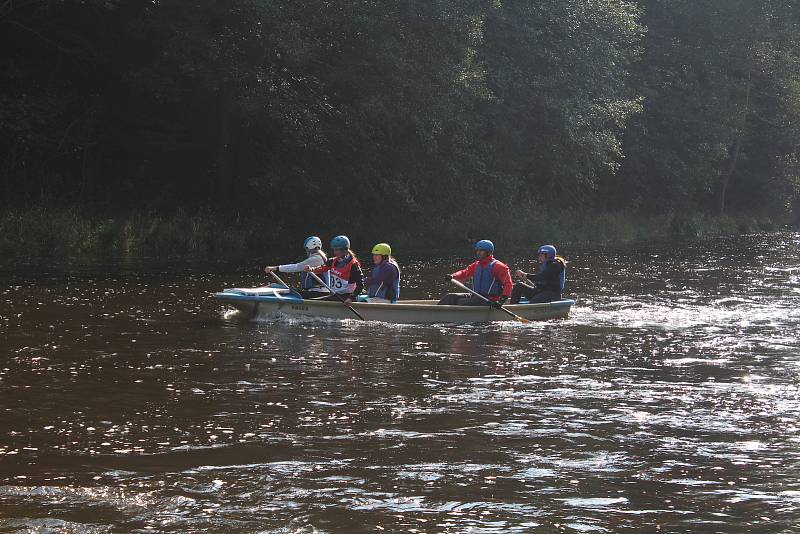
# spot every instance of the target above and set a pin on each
(291, 297)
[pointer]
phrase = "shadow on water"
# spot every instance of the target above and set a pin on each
(668, 399)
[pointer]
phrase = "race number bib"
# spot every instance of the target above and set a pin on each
(339, 285)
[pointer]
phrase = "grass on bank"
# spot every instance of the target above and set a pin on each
(70, 233)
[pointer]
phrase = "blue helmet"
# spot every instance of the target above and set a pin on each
(549, 251)
(340, 241)
(484, 244)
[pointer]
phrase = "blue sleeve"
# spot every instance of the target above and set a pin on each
(381, 275)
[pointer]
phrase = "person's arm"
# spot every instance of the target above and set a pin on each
(550, 272)
(374, 277)
(503, 274)
(379, 275)
(465, 274)
(357, 278)
(322, 268)
(312, 261)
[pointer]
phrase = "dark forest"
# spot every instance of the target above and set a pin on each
(400, 121)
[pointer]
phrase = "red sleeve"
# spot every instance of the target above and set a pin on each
(466, 274)
(503, 273)
(324, 267)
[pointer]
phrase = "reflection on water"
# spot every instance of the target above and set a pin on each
(669, 398)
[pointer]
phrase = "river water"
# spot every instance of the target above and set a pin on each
(130, 401)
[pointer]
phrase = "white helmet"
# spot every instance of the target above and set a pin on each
(312, 243)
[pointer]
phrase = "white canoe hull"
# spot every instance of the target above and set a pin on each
(403, 312)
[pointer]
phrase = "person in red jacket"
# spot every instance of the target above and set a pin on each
(346, 276)
(490, 278)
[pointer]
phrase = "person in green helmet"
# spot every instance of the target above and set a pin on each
(383, 284)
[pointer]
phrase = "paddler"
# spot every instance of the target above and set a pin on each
(490, 278)
(346, 276)
(383, 284)
(547, 284)
(309, 287)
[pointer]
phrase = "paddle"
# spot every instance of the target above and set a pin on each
(278, 278)
(318, 279)
(284, 284)
(525, 284)
(509, 312)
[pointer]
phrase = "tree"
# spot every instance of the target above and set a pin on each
(719, 82)
(558, 71)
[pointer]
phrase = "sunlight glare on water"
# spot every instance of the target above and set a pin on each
(669, 398)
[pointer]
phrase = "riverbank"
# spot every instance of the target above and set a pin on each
(69, 233)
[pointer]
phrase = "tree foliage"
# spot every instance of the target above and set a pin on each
(398, 110)
(720, 83)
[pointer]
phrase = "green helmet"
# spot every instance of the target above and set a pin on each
(382, 249)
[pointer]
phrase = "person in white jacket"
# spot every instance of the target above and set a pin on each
(309, 287)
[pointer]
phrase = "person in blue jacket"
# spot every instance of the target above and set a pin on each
(548, 283)
(383, 284)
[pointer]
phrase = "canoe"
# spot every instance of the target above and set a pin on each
(264, 302)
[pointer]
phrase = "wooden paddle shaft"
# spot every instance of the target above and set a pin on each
(278, 278)
(509, 312)
(352, 309)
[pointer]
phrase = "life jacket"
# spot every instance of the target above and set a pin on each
(382, 290)
(484, 282)
(340, 274)
(308, 282)
(562, 277)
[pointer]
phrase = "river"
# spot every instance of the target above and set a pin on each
(130, 401)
